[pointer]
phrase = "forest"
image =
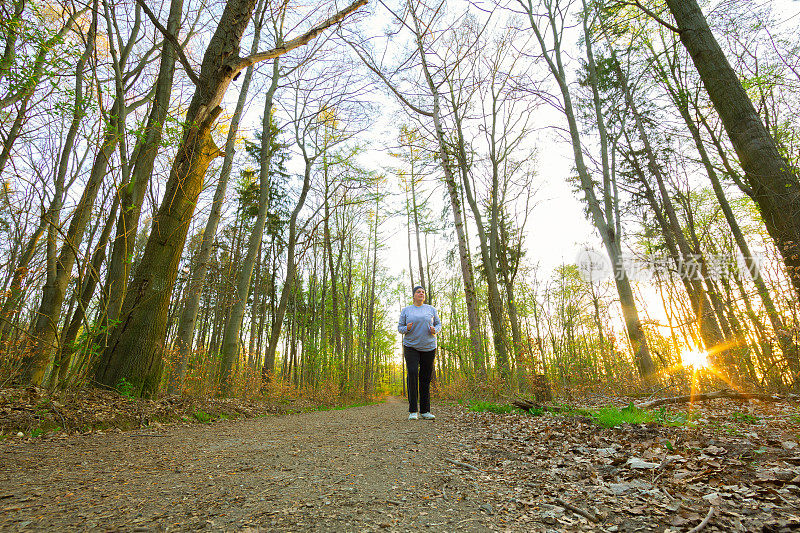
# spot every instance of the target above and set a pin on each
(235, 198)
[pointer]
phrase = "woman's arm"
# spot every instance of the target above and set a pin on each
(437, 324)
(402, 324)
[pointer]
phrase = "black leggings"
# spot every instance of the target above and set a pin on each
(420, 370)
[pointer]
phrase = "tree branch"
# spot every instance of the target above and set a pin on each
(651, 14)
(38, 64)
(172, 39)
(391, 87)
(243, 63)
(705, 521)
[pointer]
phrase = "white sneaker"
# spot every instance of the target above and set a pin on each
(427, 416)
(413, 416)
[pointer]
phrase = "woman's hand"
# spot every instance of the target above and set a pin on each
(432, 330)
(409, 326)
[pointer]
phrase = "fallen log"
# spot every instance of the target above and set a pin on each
(724, 393)
(526, 405)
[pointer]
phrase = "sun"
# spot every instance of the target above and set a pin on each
(698, 359)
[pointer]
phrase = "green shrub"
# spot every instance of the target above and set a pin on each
(126, 388)
(536, 411)
(202, 416)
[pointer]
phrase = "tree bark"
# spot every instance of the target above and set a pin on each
(775, 184)
(230, 339)
(132, 193)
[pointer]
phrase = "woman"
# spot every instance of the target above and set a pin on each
(419, 324)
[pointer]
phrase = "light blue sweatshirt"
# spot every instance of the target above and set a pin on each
(421, 317)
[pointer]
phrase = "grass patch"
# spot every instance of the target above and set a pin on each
(126, 388)
(745, 418)
(202, 416)
(612, 416)
(482, 406)
(608, 417)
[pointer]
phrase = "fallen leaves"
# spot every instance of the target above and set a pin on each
(558, 472)
(36, 412)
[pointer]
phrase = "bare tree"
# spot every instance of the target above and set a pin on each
(133, 351)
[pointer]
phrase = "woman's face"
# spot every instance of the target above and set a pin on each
(419, 296)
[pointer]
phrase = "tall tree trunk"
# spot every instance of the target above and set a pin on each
(369, 332)
(14, 132)
(230, 340)
(681, 101)
(415, 211)
(452, 190)
(132, 193)
(14, 299)
(257, 289)
(607, 230)
(44, 332)
(58, 272)
(775, 184)
(186, 324)
(12, 31)
(92, 278)
(291, 272)
(711, 333)
(133, 351)
(332, 267)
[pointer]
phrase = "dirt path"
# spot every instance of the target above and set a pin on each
(360, 469)
(370, 469)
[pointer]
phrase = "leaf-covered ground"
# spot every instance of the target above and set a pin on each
(368, 468)
(37, 414)
(741, 458)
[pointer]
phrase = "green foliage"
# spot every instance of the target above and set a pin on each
(37, 432)
(745, 418)
(675, 419)
(536, 411)
(612, 416)
(202, 416)
(126, 388)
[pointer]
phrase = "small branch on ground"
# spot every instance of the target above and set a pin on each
(526, 405)
(577, 510)
(705, 521)
(724, 393)
(463, 465)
